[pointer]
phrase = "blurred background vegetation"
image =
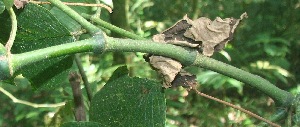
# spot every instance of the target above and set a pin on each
(266, 44)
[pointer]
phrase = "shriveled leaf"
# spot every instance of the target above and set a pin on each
(185, 80)
(201, 33)
(127, 101)
(167, 67)
(20, 3)
(213, 34)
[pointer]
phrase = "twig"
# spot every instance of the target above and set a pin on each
(235, 107)
(77, 4)
(74, 80)
(84, 77)
(93, 30)
(15, 100)
(12, 37)
(113, 28)
(98, 11)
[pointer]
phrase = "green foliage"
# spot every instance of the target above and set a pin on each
(265, 44)
(44, 31)
(125, 101)
(8, 3)
(2, 7)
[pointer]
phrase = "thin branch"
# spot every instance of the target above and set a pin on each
(283, 99)
(98, 11)
(12, 37)
(15, 100)
(113, 28)
(78, 4)
(235, 107)
(74, 80)
(84, 77)
(74, 15)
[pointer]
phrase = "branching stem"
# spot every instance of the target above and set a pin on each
(15, 100)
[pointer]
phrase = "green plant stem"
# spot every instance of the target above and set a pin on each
(12, 37)
(16, 100)
(98, 11)
(13, 31)
(185, 56)
(73, 14)
(281, 97)
(89, 45)
(84, 77)
(112, 27)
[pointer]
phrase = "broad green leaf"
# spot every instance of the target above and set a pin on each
(127, 101)
(8, 3)
(2, 7)
(37, 29)
(82, 124)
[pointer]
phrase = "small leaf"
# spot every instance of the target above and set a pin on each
(8, 3)
(2, 7)
(129, 101)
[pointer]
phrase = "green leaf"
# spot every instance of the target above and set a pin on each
(82, 124)
(127, 101)
(37, 29)
(2, 7)
(8, 3)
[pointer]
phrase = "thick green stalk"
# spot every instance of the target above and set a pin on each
(95, 44)
(184, 55)
(281, 97)
(73, 14)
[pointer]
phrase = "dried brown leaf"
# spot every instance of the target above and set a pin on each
(185, 80)
(213, 34)
(201, 33)
(20, 3)
(167, 67)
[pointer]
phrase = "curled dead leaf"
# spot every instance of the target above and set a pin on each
(204, 34)
(167, 67)
(20, 3)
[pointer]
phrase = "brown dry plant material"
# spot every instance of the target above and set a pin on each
(205, 35)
